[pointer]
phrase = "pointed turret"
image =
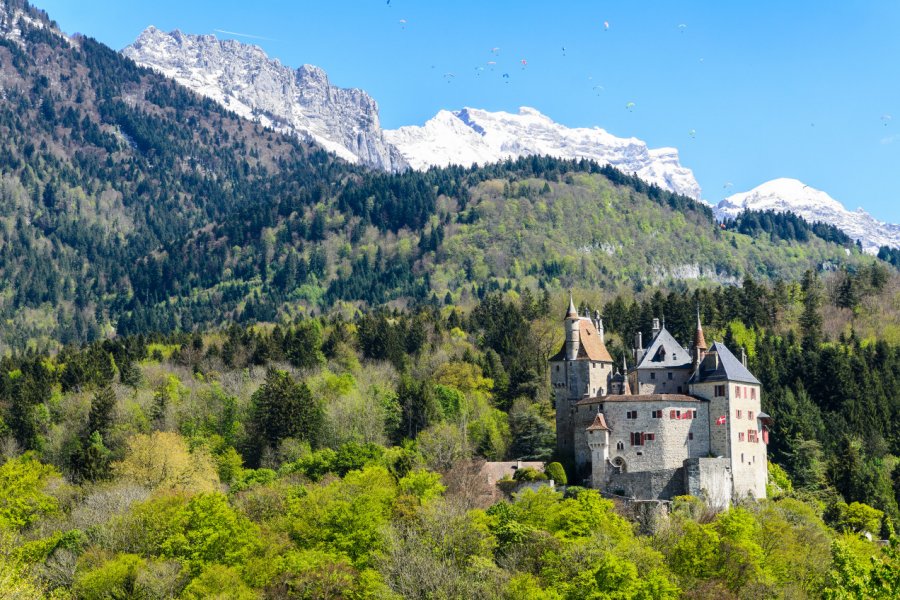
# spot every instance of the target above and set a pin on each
(699, 349)
(572, 314)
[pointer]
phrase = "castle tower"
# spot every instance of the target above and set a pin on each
(598, 441)
(582, 368)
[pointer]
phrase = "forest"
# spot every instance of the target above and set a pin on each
(233, 366)
(340, 458)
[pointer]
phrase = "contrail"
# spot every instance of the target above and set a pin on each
(246, 35)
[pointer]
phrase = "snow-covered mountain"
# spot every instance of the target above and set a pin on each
(783, 195)
(477, 136)
(242, 78)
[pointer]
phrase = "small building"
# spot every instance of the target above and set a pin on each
(680, 422)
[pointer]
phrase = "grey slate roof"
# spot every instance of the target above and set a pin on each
(665, 353)
(729, 368)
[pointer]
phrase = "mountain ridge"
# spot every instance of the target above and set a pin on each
(243, 78)
(474, 136)
(785, 194)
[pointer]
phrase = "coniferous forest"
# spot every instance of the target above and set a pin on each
(235, 366)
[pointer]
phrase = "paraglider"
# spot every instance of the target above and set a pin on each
(630, 106)
(886, 119)
(524, 63)
(506, 76)
(402, 23)
(495, 50)
(692, 133)
(727, 185)
(682, 27)
(605, 25)
(598, 89)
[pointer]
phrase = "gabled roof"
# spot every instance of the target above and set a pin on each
(638, 398)
(729, 368)
(591, 347)
(665, 352)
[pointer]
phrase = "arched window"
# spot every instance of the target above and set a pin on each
(620, 446)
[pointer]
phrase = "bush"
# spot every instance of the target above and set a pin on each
(556, 472)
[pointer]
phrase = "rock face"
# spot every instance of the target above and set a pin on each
(470, 136)
(791, 195)
(245, 80)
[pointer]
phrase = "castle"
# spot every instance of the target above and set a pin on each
(679, 422)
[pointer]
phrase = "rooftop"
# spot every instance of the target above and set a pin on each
(665, 353)
(591, 347)
(638, 398)
(727, 368)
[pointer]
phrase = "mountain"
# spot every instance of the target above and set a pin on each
(471, 136)
(243, 79)
(129, 204)
(791, 195)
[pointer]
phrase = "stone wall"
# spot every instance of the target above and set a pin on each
(709, 478)
(662, 484)
(656, 381)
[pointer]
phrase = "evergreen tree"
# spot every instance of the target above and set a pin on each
(811, 318)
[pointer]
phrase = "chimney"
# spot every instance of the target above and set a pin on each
(638, 347)
(744, 356)
(598, 323)
(655, 328)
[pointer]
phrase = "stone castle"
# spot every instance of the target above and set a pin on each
(679, 422)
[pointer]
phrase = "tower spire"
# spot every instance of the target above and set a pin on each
(572, 314)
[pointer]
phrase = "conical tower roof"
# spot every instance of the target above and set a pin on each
(572, 314)
(699, 339)
(598, 424)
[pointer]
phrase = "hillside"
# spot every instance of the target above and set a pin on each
(130, 204)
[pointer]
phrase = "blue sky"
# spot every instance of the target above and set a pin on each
(800, 89)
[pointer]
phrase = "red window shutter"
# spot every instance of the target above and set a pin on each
(642, 438)
(766, 436)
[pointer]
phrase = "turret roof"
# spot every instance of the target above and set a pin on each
(590, 346)
(599, 423)
(699, 338)
(727, 368)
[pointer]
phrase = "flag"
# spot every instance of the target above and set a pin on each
(720, 420)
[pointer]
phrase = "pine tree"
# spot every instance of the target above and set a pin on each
(811, 319)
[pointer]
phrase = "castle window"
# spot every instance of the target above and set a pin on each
(738, 411)
(742, 458)
(675, 414)
(631, 414)
(751, 436)
(720, 391)
(693, 414)
(737, 391)
(691, 435)
(620, 445)
(750, 414)
(649, 437)
(637, 438)
(652, 375)
(670, 375)
(657, 414)
(557, 368)
(753, 393)
(741, 438)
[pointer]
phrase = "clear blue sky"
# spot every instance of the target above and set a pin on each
(800, 89)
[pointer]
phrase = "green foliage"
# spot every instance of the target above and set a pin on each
(218, 582)
(556, 472)
(346, 516)
(283, 408)
(208, 531)
(857, 517)
(23, 496)
(422, 484)
(115, 578)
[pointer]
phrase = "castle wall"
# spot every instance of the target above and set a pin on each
(662, 484)
(656, 381)
(676, 439)
(709, 478)
(747, 458)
